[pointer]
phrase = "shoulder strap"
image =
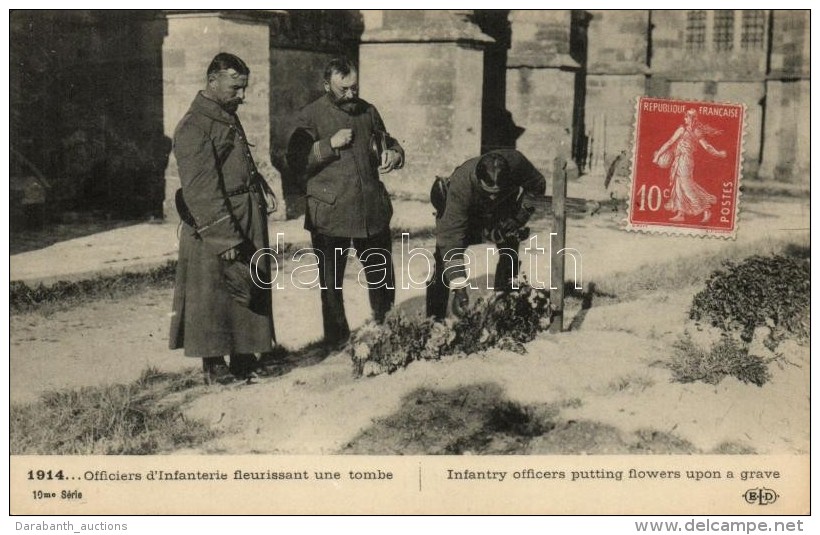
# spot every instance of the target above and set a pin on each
(438, 195)
(182, 209)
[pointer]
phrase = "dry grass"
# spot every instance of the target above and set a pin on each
(140, 418)
(64, 295)
(724, 358)
(630, 383)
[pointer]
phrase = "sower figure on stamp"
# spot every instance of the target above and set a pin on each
(218, 310)
(687, 196)
(345, 147)
(487, 198)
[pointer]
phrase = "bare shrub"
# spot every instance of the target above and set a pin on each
(769, 292)
(761, 291)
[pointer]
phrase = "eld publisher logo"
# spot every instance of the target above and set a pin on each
(760, 496)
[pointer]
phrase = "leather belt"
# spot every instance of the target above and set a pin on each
(240, 190)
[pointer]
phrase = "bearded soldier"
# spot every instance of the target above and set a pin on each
(344, 149)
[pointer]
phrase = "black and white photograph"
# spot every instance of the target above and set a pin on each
(285, 248)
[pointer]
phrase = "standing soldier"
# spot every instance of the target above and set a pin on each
(487, 198)
(218, 310)
(342, 147)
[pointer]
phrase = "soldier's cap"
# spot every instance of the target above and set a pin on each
(493, 173)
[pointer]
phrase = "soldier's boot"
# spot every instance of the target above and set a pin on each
(215, 371)
(243, 366)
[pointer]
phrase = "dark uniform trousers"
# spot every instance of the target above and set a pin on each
(506, 271)
(375, 254)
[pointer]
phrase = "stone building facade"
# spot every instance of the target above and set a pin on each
(95, 95)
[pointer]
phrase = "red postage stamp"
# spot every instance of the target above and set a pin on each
(686, 167)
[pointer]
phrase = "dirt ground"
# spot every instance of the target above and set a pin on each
(603, 374)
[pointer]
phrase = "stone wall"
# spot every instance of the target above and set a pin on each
(610, 117)
(616, 75)
(786, 153)
(541, 84)
(791, 36)
(618, 42)
(752, 94)
(745, 71)
(674, 59)
(95, 95)
(787, 149)
(424, 73)
(430, 101)
(540, 101)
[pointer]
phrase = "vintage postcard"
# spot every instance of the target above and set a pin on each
(334, 262)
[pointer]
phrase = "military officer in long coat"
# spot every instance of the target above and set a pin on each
(218, 309)
(347, 148)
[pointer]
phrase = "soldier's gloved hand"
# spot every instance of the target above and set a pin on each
(509, 226)
(342, 138)
(271, 203)
(507, 230)
(494, 235)
(524, 214)
(390, 161)
(230, 254)
(460, 302)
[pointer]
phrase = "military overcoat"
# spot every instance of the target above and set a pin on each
(220, 185)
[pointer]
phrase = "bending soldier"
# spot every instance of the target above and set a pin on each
(487, 198)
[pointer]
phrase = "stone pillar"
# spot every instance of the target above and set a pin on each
(786, 148)
(541, 76)
(423, 70)
(616, 76)
(193, 39)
